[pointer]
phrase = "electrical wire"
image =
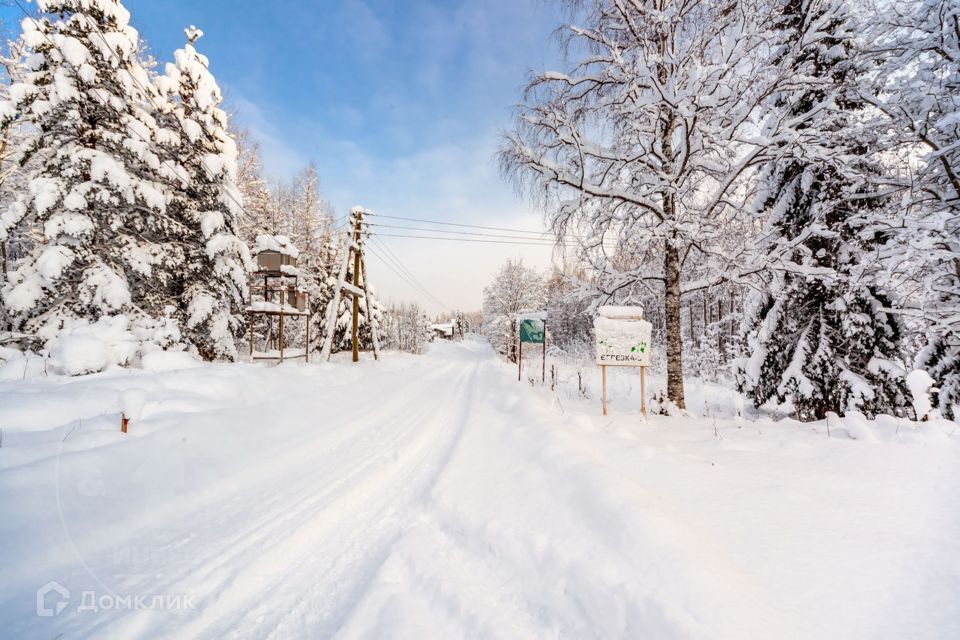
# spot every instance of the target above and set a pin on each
(383, 245)
(460, 233)
(529, 244)
(398, 270)
(453, 224)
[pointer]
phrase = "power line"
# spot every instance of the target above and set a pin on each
(454, 224)
(461, 233)
(418, 288)
(531, 243)
(567, 241)
(416, 281)
(403, 277)
(383, 245)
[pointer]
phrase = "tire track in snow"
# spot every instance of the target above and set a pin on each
(358, 496)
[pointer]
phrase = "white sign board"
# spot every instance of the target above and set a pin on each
(623, 341)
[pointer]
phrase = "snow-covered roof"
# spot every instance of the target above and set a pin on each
(620, 313)
(280, 244)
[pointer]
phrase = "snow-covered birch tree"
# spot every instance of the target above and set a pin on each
(515, 288)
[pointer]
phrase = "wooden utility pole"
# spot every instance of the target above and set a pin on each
(352, 249)
(356, 285)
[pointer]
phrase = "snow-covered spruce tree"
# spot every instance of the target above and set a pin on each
(820, 333)
(916, 81)
(213, 280)
(642, 148)
(515, 288)
(97, 186)
(322, 284)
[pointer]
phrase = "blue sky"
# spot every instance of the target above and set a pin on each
(399, 102)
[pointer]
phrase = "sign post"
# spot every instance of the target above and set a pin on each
(623, 340)
(533, 330)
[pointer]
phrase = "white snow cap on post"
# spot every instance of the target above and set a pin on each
(132, 402)
(620, 313)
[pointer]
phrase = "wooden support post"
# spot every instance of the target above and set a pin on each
(356, 284)
(123, 423)
(371, 321)
(281, 331)
(643, 391)
(543, 375)
(306, 347)
(603, 369)
(520, 359)
(252, 317)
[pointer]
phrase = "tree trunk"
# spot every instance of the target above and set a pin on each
(671, 269)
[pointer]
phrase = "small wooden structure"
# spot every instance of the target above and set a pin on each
(276, 294)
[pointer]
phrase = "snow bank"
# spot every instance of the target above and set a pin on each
(90, 348)
(920, 384)
(168, 361)
(465, 504)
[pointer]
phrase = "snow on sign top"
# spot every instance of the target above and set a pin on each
(532, 315)
(621, 313)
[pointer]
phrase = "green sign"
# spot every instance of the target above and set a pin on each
(531, 331)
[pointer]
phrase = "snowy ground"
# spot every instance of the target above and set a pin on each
(437, 497)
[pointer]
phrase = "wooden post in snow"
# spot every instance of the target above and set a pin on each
(603, 369)
(643, 391)
(520, 358)
(543, 374)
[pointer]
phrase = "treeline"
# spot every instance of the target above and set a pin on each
(791, 167)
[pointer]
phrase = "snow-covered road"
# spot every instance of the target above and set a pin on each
(436, 497)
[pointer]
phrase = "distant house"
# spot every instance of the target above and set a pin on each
(444, 330)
